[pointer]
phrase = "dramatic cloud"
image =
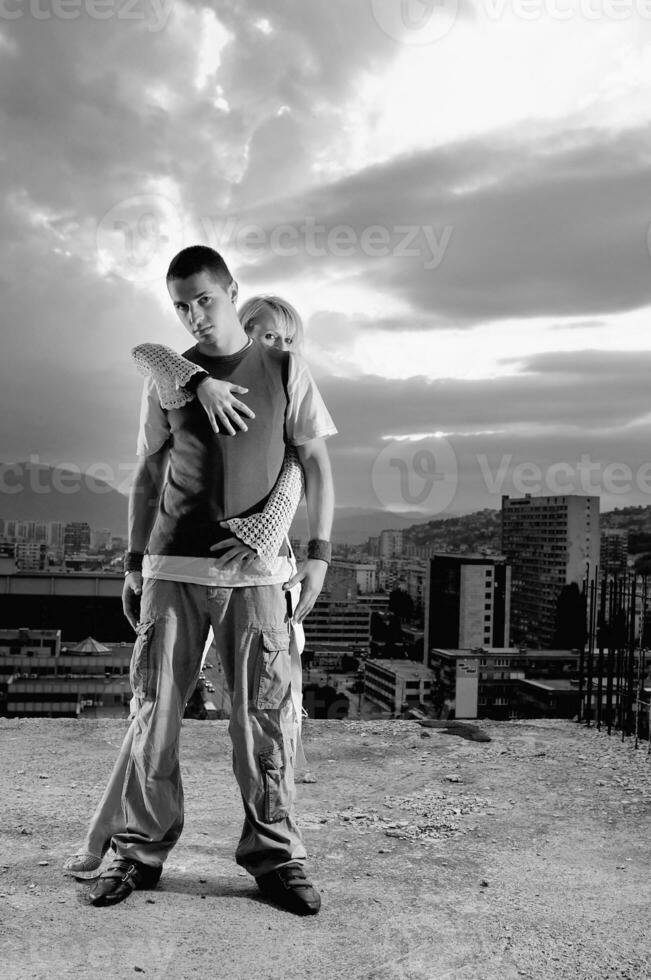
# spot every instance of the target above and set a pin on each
(484, 229)
(573, 410)
(585, 390)
(452, 218)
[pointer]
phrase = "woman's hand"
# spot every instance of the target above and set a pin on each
(237, 552)
(222, 407)
(311, 574)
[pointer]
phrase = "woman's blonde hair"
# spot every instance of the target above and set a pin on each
(283, 313)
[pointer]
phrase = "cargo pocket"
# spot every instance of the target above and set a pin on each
(140, 668)
(276, 797)
(272, 677)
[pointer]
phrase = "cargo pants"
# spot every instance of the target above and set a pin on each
(252, 633)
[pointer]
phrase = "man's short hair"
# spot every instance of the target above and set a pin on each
(199, 258)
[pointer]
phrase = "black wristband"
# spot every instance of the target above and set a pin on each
(132, 561)
(195, 381)
(320, 549)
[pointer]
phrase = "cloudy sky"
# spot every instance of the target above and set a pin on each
(456, 195)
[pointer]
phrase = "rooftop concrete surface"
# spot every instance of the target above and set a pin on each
(437, 857)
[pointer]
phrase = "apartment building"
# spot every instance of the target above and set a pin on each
(397, 684)
(550, 542)
(467, 601)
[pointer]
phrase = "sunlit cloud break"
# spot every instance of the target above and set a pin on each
(420, 436)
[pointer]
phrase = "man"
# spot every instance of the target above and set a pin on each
(189, 479)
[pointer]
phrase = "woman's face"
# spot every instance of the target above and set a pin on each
(263, 327)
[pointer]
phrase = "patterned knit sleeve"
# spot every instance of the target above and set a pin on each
(265, 532)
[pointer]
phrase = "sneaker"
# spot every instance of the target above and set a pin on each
(83, 865)
(120, 878)
(289, 887)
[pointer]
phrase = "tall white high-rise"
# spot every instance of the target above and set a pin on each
(391, 544)
(550, 543)
(467, 601)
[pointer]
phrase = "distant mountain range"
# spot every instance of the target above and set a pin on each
(481, 530)
(34, 492)
(354, 525)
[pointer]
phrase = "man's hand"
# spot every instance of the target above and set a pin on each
(131, 597)
(222, 407)
(312, 574)
(237, 551)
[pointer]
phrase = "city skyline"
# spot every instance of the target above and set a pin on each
(462, 220)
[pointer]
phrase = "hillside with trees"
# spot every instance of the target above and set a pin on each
(482, 530)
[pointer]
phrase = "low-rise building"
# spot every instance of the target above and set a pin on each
(41, 677)
(500, 682)
(549, 698)
(348, 579)
(397, 684)
(343, 625)
(24, 642)
(67, 697)
(32, 555)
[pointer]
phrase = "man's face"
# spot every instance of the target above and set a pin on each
(202, 305)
